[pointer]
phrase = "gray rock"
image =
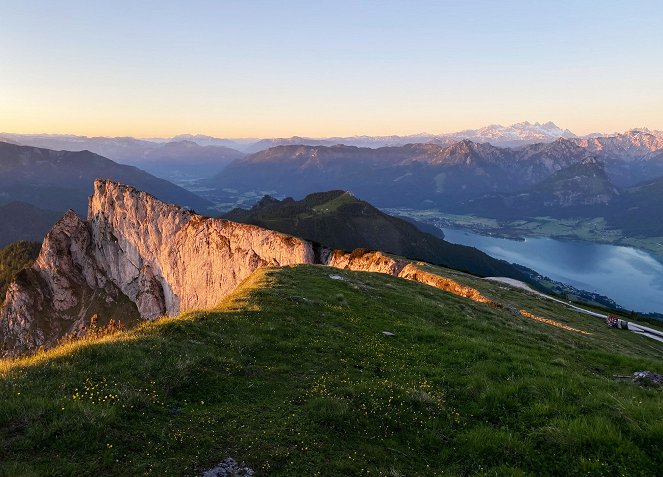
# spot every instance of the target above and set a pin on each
(228, 468)
(647, 378)
(302, 301)
(512, 309)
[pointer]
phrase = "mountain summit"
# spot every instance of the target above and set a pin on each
(515, 134)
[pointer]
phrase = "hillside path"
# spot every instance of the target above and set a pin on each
(634, 327)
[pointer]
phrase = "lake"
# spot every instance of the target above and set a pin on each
(631, 277)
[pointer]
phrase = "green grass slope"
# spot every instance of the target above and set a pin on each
(14, 258)
(293, 376)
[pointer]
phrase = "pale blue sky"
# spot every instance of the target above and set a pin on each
(281, 68)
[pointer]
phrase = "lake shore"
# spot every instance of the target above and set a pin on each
(587, 230)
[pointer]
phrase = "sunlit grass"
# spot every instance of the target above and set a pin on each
(43, 356)
(234, 302)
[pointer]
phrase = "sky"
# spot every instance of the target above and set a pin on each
(252, 68)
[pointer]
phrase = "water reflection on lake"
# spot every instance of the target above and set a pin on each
(633, 278)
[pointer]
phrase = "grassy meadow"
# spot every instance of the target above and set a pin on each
(293, 376)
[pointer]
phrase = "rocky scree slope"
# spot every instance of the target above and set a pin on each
(137, 258)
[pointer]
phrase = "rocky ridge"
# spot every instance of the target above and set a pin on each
(126, 263)
(631, 145)
(137, 258)
(60, 292)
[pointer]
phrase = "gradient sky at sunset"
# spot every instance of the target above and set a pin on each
(282, 68)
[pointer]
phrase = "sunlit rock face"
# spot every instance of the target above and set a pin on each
(168, 260)
(150, 257)
(373, 261)
(366, 261)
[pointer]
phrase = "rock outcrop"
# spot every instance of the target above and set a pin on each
(362, 260)
(134, 258)
(168, 260)
(60, 292)
(137, 258)
(411, 272)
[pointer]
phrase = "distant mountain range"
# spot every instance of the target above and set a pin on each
(638, 209)
(38, 185)
(421, 175)
(139, 151)
(340, 220)
(510, 136)
(576, 177)
(542, 168)
(170, 160)
(577, 190)
(515, 135)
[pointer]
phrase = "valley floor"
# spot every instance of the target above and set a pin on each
(293, 376)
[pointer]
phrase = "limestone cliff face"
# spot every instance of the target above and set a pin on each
(366, 261)
(137, 258)
(168, 260)
(134, 258)
(411, 272)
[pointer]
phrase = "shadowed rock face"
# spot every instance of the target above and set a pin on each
(137, 258)
(60, 292)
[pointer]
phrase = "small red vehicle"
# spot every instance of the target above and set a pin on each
(616, 322)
